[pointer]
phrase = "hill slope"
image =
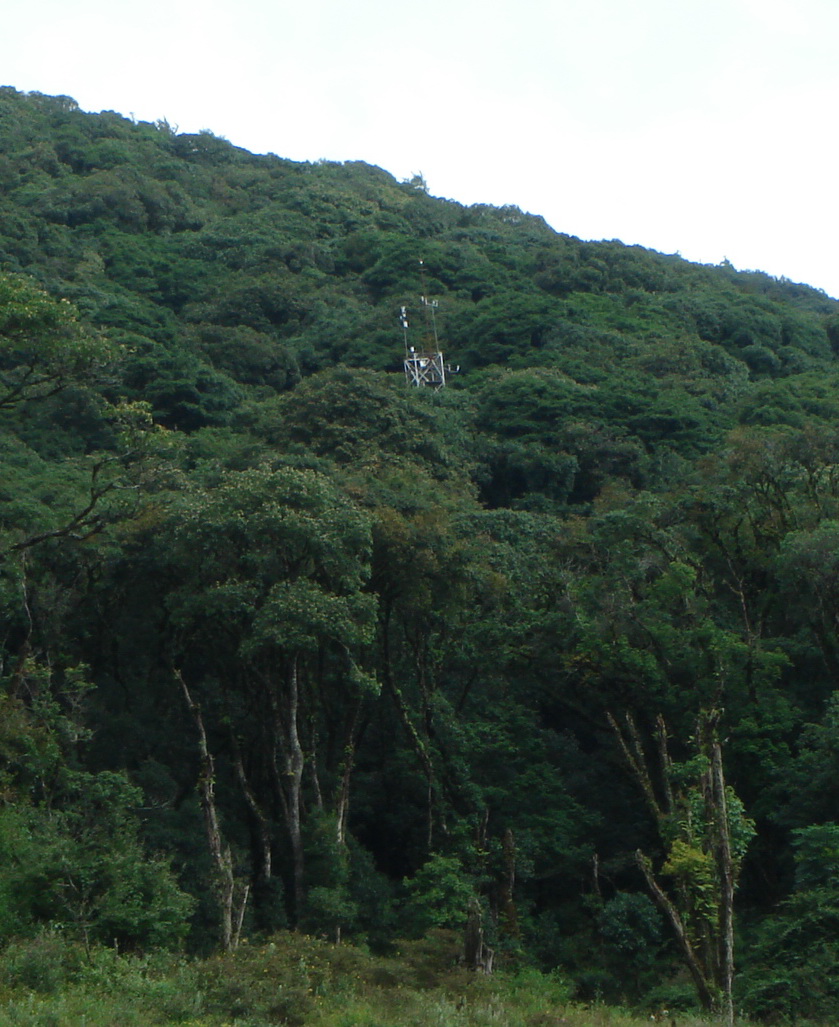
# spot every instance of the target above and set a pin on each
(399, 622)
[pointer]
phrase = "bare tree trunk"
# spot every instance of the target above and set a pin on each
(704, 989)
(707, 947)
(294, 764)
(232, 895)
(727, 881)
(259, 815)
(634, 755)
(287, 765)
(508, 914)
(342, 803)
(477, 954)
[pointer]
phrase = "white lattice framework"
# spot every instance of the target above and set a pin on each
(425, 366)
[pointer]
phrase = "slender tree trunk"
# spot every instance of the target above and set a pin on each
(633, 752)
(262, 821)
(704, 988)
(287, 766)
(727, 880)
(707, 947)
(232, 896)
(508, 915)
(342, 803)
(477, 955)
(294, 764)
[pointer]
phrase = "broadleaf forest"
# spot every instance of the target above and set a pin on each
(549, 655)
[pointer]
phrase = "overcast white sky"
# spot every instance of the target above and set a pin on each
(704, 127)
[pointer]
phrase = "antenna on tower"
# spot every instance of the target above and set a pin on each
(425, 366)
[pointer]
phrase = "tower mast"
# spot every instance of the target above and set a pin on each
(425, 366)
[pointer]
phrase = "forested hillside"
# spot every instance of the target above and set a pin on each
(288, 644)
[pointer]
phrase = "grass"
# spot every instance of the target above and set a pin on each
(291, 980)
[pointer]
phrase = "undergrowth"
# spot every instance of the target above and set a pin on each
(291, 980)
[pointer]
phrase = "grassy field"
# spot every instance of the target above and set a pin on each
(290, 980)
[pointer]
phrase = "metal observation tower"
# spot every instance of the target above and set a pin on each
(425, 366)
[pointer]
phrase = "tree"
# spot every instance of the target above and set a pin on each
(705, 834)
(272, 611)
(794, 960)
(70, 846)
(43, 345)
(231, 894)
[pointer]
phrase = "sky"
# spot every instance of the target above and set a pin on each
(700, 127)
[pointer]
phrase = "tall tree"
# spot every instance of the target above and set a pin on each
(275, 565)
(705, 832)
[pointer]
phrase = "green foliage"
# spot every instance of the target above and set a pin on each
(816, 856)
(792, 964)
(43, 347)
(631, 925)
(438, 896)
(45, 963)
(295, 980)
(82, 869)
(404, 615)
(625, 959)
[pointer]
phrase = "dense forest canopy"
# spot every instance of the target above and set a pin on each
(325, 652)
